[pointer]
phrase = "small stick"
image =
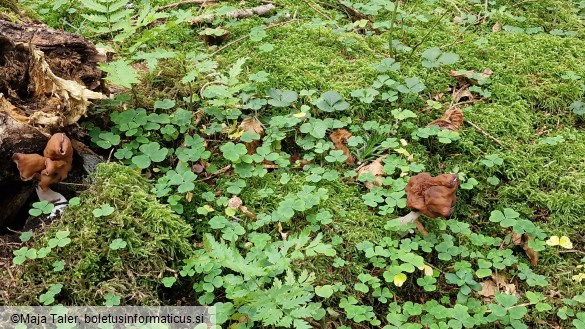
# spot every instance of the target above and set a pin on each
(319, 12)
(181, 3)
(247, 35)
(572, 251)
(481, 131)
(219, 172)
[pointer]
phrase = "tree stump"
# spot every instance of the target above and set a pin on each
(47, 80)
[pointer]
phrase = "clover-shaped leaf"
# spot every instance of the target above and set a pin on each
(331, 101)
(111, 300)
(281, 98)
(61, 239)
(412, 86)
(118, 244)
(434, 57)
(387, 65)
(25, 236)
(168, 281)
(507, 218)
(324, 291)
(103, 211)
(41, 208)
(233, 152)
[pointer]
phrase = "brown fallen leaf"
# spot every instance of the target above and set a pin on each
(252, 124)
(497, 27)
(522, 240)
(471, 77)
(502, 282)
(451, 120)
(488, 289)
(339, 138)
(462, 95)
(247, 212)
(531, 253)
(283, 234)
(375, 168)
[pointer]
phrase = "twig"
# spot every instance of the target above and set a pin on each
(424, 38)
(186, 2)
(455, 5)
(357, 15)
(319, 12)
(236, 14)
(247, 35)
(481, 131)
(219, 172)
(573, 251)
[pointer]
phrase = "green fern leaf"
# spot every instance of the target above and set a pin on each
(120, 73)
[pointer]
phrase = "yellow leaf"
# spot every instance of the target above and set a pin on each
(428, 270)
(208, 208)
(300, 115)
(399, 279)
(553, 241)
(565, 242)
(237, 134)
(579, 277)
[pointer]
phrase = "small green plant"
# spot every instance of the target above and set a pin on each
(41, 208)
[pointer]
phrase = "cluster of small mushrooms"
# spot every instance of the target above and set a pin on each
(51, 167)
(431, 196)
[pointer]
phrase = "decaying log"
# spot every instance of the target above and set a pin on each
(47, 80)
(236, 14)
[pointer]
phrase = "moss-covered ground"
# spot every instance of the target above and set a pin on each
(535, 51)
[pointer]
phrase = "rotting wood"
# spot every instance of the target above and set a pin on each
(236, 14)
(47, 80)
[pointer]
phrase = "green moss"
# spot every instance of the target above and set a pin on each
(156, 239)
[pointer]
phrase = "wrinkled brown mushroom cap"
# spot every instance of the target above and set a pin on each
(51, 168)
(28, 164)
(59, 148)
(432, 196)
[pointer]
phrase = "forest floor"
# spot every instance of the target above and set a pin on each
(239, 146)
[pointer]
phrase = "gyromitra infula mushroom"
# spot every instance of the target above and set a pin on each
(50, 168)
(431, 196)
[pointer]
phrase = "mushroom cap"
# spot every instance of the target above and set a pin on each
(59, 167)
(28, 164)
(432, 196)
(59, 148)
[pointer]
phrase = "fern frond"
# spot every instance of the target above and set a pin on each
(95, 6)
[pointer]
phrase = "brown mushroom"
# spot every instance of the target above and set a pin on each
(28, 164)
(59, 167)
(59, 148)
(50, 169)
(431, 196)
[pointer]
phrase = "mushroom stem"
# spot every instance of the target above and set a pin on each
(411, 217)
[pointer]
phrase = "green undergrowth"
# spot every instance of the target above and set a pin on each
(122, 251)
(287, 233)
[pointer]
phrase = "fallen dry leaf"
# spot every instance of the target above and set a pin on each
(497, 27)
(498, 283)
(247, 212)
(462, 95)
(488, 289)
(283, 234)
(531, 253)
(252, 124)
(375, 168)
(522, 240)
(471, 77)
(451, 120)
(339, 138)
